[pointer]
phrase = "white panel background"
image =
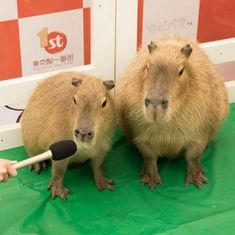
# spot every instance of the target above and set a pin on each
(8, 10)
(169, 17)
(63, 22)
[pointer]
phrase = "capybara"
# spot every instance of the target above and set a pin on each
(170, 102)
(74, 106)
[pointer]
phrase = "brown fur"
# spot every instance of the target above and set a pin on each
(197, 104)
(52, 115)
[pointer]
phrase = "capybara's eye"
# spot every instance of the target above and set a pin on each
(147, 67)
(181, 72)
(104, 103)
(147, 102)
(74, 100)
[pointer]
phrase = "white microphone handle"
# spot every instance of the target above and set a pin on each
(32, 160)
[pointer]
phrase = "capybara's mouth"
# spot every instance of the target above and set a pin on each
(157, 115)
(84, 141)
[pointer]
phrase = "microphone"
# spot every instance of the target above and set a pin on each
(57, 151)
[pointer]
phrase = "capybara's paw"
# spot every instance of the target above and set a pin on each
(38, 167)
(151, 179)
(104, 183)
(58, 191)
(196, 177)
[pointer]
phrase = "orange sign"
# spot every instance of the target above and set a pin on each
(53, 42)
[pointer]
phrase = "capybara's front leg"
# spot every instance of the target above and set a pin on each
(149, 173)
(100, 181)
(57, 186)
(195, 173)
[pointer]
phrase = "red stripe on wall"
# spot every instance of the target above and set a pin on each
(216, 20)
(140, 23)
(10, 61)
(87, 35)
(28, 8)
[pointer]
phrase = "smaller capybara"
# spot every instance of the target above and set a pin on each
(170, 102)
(73, 106)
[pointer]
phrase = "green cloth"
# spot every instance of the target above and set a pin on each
(26, 206)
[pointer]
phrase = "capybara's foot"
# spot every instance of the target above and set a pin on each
(103, 183)
(150, 178)
(197, 177)
(58, 191)
(38, 167)
(100, 181)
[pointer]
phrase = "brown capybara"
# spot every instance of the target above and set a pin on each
(170, 102)
(73, 106)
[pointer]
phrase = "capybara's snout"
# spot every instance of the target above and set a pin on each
(84, 135)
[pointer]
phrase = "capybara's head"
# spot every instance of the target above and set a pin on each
(166, 73)
(93, 108)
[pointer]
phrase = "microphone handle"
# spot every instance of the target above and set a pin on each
(41, 157)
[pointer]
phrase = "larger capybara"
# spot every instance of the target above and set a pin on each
(170, 102)
(73, 106)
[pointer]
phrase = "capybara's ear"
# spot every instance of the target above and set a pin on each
(76, 81)
(109, 84)
(187, 50)
(152, 46)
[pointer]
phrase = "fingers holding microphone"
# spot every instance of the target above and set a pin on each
(57, 151)
(7, 169)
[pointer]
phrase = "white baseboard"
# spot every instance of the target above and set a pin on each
(10, 136)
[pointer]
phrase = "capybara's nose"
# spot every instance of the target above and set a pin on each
(164, 103)
(156, 102)
(90, 135)
(83, 135)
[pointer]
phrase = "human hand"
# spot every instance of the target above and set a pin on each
(6, 169)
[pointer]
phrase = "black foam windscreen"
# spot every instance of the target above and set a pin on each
(63, 149)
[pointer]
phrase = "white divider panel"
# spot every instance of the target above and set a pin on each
(126, 33)
(231, 90)
(20, 89)
(220, 51)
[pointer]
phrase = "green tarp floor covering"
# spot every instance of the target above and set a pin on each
(26, 206)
